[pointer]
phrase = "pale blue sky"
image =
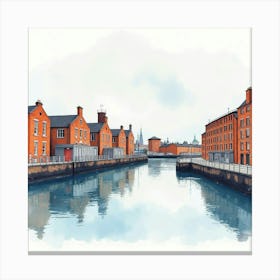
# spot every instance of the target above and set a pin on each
(170, 82)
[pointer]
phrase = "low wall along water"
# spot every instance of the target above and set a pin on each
(239, 181)
(56, 170)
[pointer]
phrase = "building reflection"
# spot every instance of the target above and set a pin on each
(154, 167)
(38, 212)
(73, 195)
(225, 205)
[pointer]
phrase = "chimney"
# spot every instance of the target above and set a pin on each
(121, 126)
(39, 102)
(130, 127)
(101, 117)
(249, 95)
(101, 114)
(79, 111)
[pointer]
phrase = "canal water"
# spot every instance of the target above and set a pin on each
(144, 207)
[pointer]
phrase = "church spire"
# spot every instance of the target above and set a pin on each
(141, 138)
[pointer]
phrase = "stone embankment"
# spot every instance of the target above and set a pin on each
(237, 178)
(41, 172)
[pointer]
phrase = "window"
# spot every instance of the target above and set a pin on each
(225, 137)
(60, 133)
(36, 127)
(114, 140)
(44, 148)
(247, 132)
(81, 133)
(35, 148)
(92, 136)
(81, 121)
(242, 123)
(44, 128)
(76, 132)
(247, 146)
(225, 128)
(230, 136)
(247, 121)
(241, 134)
(248, 108)
(242, 146)
(230, 126)
(85, 134)
(242, 111)
(230, 146)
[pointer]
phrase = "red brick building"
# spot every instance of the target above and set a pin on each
(220, 140)
(129, 141)
(119, 138)
(38, 132)
(69, 129)
(100, 132)
(177, 149)
(244, 134)
(154, 144)
(229, 137)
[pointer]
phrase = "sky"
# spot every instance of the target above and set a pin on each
(169, 82)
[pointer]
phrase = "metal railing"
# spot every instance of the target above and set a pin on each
(45, 160)
(239, 168)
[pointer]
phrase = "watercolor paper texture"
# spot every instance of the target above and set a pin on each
(165, 82)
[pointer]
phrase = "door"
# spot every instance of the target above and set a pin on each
(68, 154)
(248, 159)
(241, 159)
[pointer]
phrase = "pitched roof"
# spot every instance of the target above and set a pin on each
(242, 104)
(116, 132)
(127, 131)
(62, 121)
(95, 127)
(154, 138)
(224, 115)
(31, 108)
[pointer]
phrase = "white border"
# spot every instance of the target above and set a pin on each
(17, 16)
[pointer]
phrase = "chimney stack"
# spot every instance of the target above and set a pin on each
(39, 102)
(101, 114)
(130, 127)
(121, 126)
(80, 111)
(249, 95)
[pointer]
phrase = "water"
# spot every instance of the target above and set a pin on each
(146, 207)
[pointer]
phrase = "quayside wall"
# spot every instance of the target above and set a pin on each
(57, 170)
(238, 181)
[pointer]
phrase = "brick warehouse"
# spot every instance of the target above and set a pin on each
(69, 129)
(100, 132)
(228, 138)
(71, 136)
(38, 132)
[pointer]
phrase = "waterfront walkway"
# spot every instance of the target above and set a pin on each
(238, 168)
(49, 160)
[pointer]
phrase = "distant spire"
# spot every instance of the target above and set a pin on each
(141, 137)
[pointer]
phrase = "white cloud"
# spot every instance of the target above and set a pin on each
(167, 81)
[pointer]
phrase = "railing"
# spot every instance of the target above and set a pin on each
(239, 168)
(44, 160)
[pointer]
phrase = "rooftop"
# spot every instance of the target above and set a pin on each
(154, 138)
(95, 127)
(62, 121)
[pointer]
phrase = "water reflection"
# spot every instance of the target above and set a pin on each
(73, 195)
(224, 204)
(148, 203)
